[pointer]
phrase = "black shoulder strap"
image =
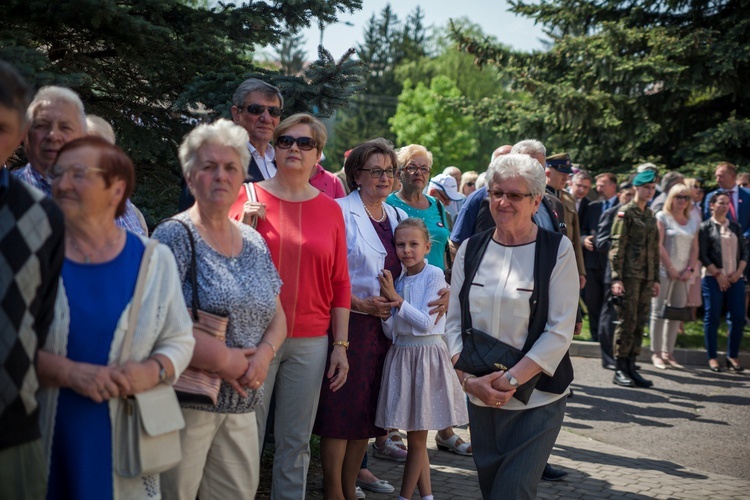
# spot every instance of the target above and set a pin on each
(475, 248)
(193, 276)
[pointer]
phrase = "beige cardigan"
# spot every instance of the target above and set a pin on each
(164, 327)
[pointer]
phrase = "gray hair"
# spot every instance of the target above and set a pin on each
(222, 132)
(529, 147)
(522, 166)
(100, 127)
(583, 175)
(254, 85)
(647, 166)
(670, 179)
(52, 94)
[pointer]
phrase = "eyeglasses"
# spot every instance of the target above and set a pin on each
(304, 143)
(470, 184)
(413, 169)
(257, 109)
(79, 172)
(682, 197)
(377, 173)
(514, 197)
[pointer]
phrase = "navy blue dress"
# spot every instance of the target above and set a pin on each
(81, 462)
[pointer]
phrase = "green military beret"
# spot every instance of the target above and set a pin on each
(644, 177)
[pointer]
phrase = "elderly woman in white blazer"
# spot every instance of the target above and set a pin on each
(346, 418)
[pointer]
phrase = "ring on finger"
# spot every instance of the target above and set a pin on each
(499, 403)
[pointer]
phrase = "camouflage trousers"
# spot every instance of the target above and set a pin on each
(632, 315)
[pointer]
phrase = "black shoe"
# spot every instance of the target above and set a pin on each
(609, 366)
(552, 474)
(635, 376)
(622, 374)
(732, 367)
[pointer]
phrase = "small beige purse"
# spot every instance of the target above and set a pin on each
(147, 425)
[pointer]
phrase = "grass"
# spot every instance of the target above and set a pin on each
(691, 339)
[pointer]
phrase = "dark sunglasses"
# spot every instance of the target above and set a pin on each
(303, 143)
(471, 184)
(257, 109)
(682, 197)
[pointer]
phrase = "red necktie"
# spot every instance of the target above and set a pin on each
(732, 210)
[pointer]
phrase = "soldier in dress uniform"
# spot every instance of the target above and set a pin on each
(634, 258)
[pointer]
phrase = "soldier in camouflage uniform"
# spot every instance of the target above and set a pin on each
(634, 258)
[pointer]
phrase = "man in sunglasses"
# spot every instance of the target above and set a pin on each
(257, 107)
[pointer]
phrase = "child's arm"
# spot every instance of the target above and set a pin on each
(416, 313)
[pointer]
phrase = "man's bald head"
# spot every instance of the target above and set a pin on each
(502, 150)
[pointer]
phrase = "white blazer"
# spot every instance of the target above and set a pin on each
(365, 253)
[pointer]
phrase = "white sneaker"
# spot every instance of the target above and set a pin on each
(360, 494)
(389, 451)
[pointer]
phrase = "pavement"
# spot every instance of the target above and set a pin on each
(686, 438)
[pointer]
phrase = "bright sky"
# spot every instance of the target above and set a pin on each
(492, 15)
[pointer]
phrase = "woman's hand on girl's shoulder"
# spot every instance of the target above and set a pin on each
(440, 305)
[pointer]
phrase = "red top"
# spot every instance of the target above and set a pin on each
(307, 241)
(325, 181)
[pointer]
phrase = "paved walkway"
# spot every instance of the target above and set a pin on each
(624, 459)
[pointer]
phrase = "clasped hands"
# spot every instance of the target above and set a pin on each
(492, 389)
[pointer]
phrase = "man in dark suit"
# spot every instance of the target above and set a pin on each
(596, 262)
(739, 197)
(257, 107)
(580, 185)
(602, 244)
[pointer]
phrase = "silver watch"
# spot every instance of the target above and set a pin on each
(513, 381)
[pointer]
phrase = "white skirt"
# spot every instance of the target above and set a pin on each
(420, 390)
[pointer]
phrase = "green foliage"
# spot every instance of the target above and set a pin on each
(430, 117)
(623, 82)
(387, 43)
(153, 67)
(291, 55)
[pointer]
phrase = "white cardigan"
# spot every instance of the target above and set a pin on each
(164, 327)
(365, 252)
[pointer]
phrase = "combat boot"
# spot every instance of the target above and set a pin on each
(622, 373)
(639, 381)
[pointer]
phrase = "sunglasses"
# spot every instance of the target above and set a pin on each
(303, 143)
(471, 184)
(682, 197)
(257, 109)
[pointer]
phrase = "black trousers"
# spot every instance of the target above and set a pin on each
(593, 297)
(607, 326)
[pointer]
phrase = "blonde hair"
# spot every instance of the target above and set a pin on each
(405, 154)
(677, 190)
(466, 177)
(414, 223)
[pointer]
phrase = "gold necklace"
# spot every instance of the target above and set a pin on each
(88, 256)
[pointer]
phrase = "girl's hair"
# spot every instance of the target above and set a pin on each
(415, 223)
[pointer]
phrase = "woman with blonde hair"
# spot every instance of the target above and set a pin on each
(468, 183)
(678, 257)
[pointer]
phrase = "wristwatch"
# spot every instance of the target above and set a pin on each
(513, 381)
(162, 371)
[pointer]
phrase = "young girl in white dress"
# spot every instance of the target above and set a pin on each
(419, 390)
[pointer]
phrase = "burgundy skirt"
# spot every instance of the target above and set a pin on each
(349, 413)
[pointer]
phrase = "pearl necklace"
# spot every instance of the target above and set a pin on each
(382, 218)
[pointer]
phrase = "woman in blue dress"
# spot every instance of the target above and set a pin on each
(91, 182)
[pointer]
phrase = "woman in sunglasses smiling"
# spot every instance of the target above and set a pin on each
(304, 230)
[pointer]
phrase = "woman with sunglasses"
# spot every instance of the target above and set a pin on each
(304, 230)
(724, 255)
(678, 256)
(468, 182)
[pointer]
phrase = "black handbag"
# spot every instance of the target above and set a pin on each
(675, 313)
(481, 353)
